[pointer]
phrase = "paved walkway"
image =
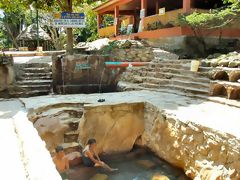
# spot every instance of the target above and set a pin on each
(214, 115)
(23, 153)
(32, 53)
(33, 59)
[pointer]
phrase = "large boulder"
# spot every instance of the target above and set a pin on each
(115, 127)
(51, 130)
(74, 159)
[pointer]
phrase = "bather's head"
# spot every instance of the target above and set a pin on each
(92, 143)
(60, 151)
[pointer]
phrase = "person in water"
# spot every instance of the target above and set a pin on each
(61, 162)
(90, 157)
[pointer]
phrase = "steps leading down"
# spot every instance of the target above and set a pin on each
(167, 74)
(35, 80)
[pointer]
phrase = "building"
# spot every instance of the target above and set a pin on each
(28, 38)
(157, 22)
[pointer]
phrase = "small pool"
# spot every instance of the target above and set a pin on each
(140, 164)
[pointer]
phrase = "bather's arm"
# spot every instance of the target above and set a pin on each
(96, 154)
(90, 155)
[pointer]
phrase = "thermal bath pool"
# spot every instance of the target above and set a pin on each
(139, 164)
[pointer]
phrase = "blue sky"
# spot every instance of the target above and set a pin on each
(1, 13)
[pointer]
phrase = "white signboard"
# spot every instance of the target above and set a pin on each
(162, 11)
(130, 29)
(71, 23)
(69, 20)
(142, 13)
(115, 21)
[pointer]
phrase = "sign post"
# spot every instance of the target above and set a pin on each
(69, 20)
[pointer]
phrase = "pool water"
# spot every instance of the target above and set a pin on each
(140, 164)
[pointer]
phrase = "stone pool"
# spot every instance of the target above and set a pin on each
(139, 164)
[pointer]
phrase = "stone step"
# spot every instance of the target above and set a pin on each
(47, 77)
(34, 82)
(71, 137)
(153, 80)
(178, 76)
(183, 72)
(158, 81)
(205, 69)
(27, 75)
(73, 123)
(149, 85)
(71, 147)
(126, 86)
(187, 89)
(175, 87)
(29, 93)
(36, 65)
(166, 78)
(194, 79)
(169, 75)
(193, 84)
(34, 87)
(37, 70)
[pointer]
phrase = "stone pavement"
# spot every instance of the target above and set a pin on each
(217, 116)
(33, 59)
(24, 155)
(32, 53)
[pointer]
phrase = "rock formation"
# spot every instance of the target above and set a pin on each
(115, 128)
(202, 152)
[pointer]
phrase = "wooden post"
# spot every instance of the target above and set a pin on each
(187, 5)
(144, 6)
(157, 7)
(116, 20)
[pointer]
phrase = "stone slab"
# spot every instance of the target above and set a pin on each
(217, 116)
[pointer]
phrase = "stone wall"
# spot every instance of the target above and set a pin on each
(133, 54)
(83, 74)
(7, 76)
(202, 152)
(115, 127)
(189, 47)
(53, 122)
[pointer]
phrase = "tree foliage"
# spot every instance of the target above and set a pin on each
(10, 23)
(17, 11)
(89, 33)
(215, 18)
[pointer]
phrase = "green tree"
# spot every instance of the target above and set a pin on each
(11, 21)
(60, 5)
(214, 19)
(89, 33)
